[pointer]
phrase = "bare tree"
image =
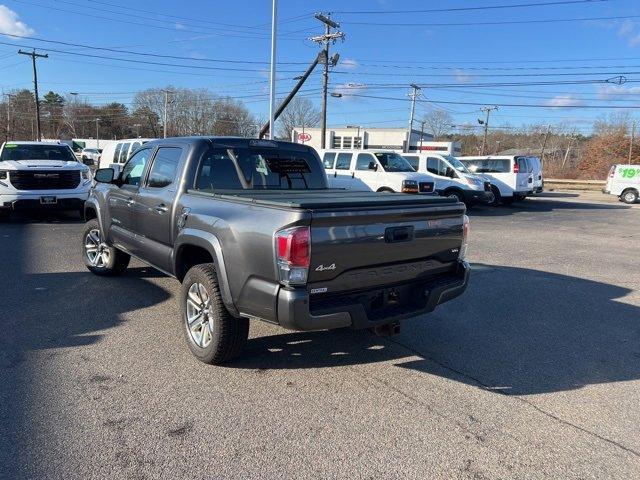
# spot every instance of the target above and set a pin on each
(438, 123)
(299, 113)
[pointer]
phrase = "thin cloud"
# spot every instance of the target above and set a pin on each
(463, 77)
(564, 101)
(180, 26)
(348, 90)
(349, 64)
(617, 92)
(11, 24)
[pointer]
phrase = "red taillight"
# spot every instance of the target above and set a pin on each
(516, 167)
(612, 171)
(294, 246)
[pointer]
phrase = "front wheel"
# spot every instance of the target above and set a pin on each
(629, 197)
(100, 258)
(496, 196)
(214, 335)
(455, 194)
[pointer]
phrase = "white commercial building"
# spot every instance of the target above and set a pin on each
(369, 138)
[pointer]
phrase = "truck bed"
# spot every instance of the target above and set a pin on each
(327, 198)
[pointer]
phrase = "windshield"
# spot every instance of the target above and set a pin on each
(457, 164)
(392, 162)
(60, 153)
(259, 169)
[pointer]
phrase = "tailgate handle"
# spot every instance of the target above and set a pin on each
(398, 234)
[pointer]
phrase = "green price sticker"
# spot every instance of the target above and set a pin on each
(10, 145)
(630, 172)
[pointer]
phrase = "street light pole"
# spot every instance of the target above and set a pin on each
(97, 133)
(272, 76)
(413, 96)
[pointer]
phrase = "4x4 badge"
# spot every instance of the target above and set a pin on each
(322, 268)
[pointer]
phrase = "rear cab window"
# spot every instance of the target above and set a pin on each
(246, 168)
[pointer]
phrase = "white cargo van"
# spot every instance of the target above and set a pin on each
(116, 153)
(452, 177)
(374, 170)
(624, 181)
(510, 174)
(536, 169)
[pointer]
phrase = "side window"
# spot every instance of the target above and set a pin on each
(164, 167)
(328, 160)
(344, 161)
(116, 154)
(433, 166)
(124, 153)
(217, 172)
(363, 161)
(413, 161)
(135, 146)
(132, 171)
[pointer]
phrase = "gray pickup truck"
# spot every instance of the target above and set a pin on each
(252, 231)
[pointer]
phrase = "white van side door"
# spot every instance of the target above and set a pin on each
(367, 172)
(437, 168)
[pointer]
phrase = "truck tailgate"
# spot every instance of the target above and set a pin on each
(382, 244)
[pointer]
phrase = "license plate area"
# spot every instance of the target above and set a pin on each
(48, 200)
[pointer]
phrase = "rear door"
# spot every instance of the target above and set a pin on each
(524, 177)
(154, 207)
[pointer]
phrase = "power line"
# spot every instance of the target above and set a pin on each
(463, 9)
(494, 23)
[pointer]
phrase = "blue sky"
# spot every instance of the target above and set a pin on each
(382, 54)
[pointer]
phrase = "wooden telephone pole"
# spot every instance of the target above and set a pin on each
(33, 56)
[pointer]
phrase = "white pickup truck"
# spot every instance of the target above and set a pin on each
(41, 175)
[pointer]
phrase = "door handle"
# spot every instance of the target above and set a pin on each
(162, 208)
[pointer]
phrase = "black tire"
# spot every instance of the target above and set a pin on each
(496, 196)
(227, 334)
(629, 196)
(385, 190)
(114, 263)
(455, 193)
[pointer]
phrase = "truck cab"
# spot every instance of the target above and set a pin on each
(41, 175)
(453, 179)
(374, 170)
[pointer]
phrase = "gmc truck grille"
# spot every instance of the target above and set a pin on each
(487, 186)
(45, 179)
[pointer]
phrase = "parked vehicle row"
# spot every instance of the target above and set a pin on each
(91, 156)
(253, 230)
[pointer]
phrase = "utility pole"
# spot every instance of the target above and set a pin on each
(166, 103)
(272, 75)
(33, 56)
(566, 154)
(487, 110)
(326, 39)
(422, 124)
(97, 133)
(415, 93)
(544, 145)
(633, 137)
(8, 107)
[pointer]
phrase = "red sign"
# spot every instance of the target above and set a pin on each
(304, 137)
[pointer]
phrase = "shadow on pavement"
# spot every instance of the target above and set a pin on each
(515, 330)
(540, 204)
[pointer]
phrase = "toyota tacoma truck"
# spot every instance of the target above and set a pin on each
(252, 231)
(41, 175)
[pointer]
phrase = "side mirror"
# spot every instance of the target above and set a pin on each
(104, 175)
(373, 166)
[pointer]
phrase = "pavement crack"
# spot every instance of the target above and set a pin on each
(488, 388)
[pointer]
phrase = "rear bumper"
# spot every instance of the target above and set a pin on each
(297, 311)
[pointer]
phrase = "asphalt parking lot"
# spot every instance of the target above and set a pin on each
(533, 373)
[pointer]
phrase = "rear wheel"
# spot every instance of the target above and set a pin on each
(629, 196)
(100, 258)
(496, 196)
(214, 335)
